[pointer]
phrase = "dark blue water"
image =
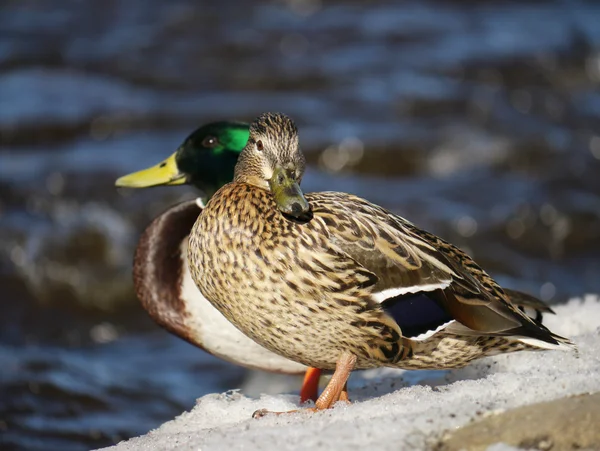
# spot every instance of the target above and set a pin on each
(478, 120)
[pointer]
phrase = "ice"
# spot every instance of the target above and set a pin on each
(390, 413)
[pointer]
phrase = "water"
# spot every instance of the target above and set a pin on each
(479, 121)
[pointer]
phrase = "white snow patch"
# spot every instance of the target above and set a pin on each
(389, 414)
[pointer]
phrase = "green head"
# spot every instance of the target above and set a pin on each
(206, 159)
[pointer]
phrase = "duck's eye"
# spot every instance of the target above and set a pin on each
(259, 145)
(210, 142)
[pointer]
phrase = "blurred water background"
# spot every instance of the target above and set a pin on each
(478, 120)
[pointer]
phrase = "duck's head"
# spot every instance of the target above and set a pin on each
(272, 160)
(206, 159)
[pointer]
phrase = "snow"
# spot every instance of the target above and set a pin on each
(389, 410)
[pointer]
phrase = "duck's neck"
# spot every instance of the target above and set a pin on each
(158, 266)
(252, 180)
(208, 171)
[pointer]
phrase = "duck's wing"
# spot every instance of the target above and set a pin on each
(408, 261)
(158, 266)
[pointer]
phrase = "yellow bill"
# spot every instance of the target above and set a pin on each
(165, 173)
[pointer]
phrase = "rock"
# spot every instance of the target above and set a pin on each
(570, 423)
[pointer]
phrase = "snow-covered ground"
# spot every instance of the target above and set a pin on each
(390, 413)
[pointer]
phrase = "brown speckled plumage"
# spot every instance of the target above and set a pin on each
(299, 289)
(314, 290)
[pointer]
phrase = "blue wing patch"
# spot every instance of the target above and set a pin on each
(416, 313)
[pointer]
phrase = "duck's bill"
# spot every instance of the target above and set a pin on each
(288, 196)
(164, 173)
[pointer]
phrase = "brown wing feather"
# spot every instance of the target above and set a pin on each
(363, 232)
(403, 256)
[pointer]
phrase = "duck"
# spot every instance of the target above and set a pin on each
(161, 279)
(335, 282)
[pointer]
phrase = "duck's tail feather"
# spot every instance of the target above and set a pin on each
(528, 304)
(560, 343)
(538, 336)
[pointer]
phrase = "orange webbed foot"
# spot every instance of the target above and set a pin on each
(335, 391)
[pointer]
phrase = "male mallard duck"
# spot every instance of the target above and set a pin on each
(335, 282)
(161, 277)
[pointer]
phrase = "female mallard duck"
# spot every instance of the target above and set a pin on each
(162, 281)
(161, 277)
(335, 282)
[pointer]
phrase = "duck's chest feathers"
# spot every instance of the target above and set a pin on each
(243, 234)
(279, 281)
